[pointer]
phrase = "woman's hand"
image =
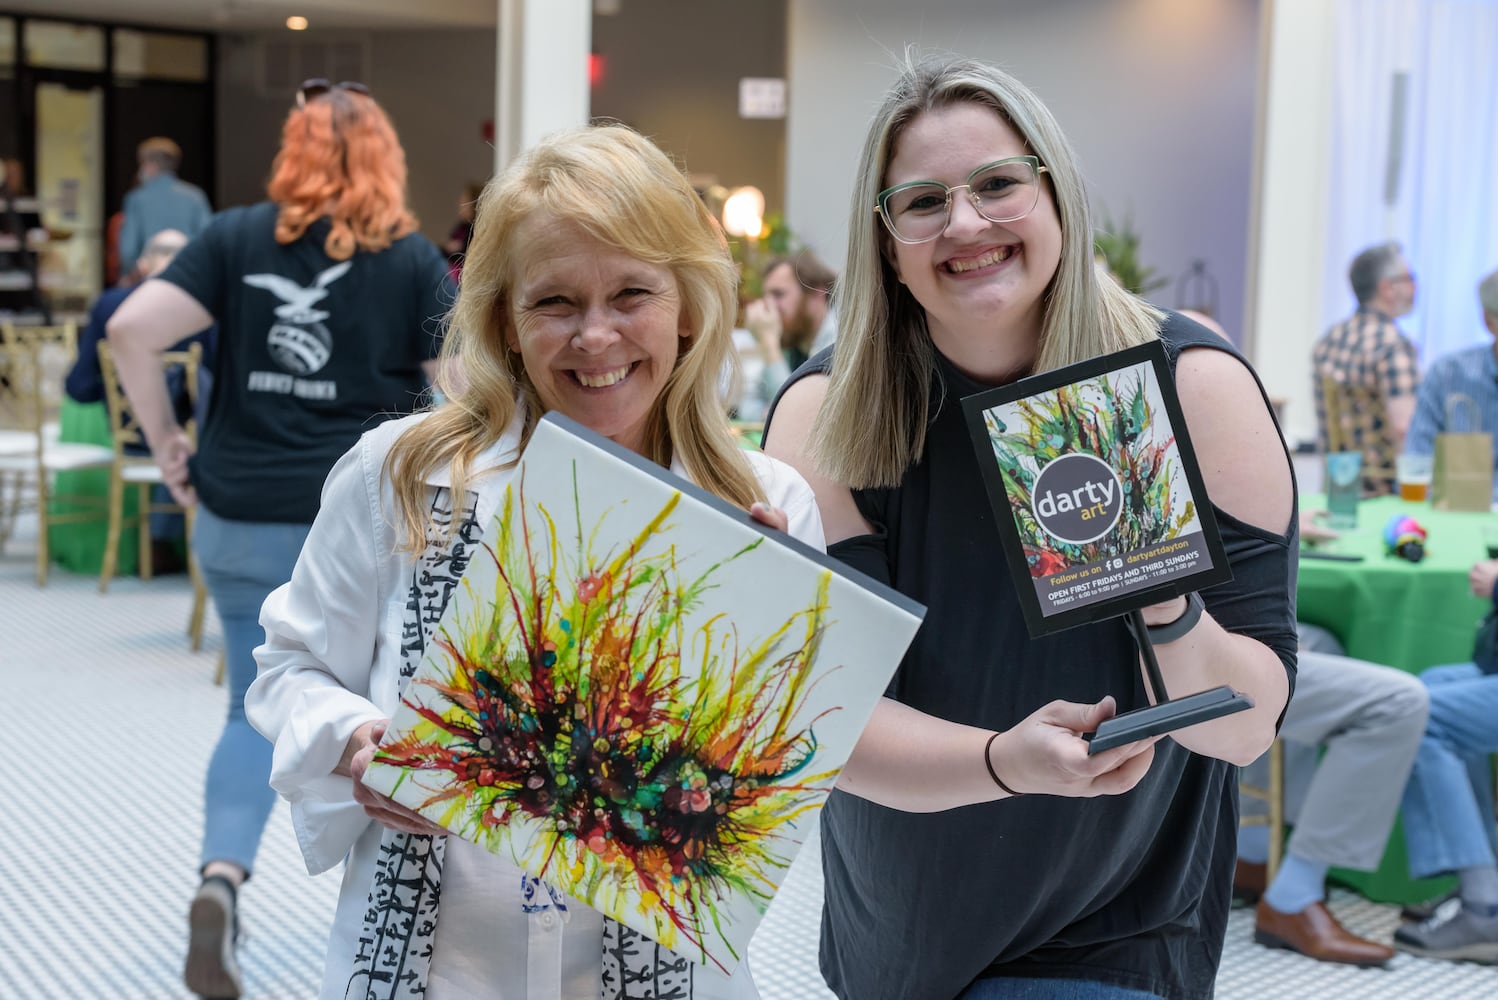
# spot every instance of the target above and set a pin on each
(772, 517)
(356, 757)
(171, 457)
(1046, 754)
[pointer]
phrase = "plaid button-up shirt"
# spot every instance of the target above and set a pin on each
(1373, 362)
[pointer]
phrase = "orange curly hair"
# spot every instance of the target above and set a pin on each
(340, 157)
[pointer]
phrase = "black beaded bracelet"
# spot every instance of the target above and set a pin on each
(988, 759)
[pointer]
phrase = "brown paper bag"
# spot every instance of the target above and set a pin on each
(1463, 478)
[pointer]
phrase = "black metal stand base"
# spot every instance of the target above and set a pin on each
(1167, 714)
(1166, 717)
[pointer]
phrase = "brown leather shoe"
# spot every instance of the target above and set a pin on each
(1250, 879)
(1315, 933)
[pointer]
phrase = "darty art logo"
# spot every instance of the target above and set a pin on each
(1077, 498)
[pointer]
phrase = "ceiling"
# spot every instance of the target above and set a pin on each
(248, 15)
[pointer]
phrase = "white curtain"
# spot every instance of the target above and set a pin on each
(1445, 210)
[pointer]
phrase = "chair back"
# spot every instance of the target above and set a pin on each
(34, 360)
(1343, 403)
(124, 426)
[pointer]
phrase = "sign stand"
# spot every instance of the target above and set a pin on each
(1167, 714)
(1102, 511)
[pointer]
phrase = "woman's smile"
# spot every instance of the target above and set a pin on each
(982, 261)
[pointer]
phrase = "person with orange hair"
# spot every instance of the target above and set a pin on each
(328, 304)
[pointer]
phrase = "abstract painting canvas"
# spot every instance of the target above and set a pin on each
(639, 695)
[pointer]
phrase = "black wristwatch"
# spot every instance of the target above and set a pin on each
(1161, 634)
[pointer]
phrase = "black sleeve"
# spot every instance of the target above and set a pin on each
(1259, 601)
(85, 382)
(202, 268)
(434, 293)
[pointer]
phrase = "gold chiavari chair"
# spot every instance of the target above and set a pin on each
(132, 467)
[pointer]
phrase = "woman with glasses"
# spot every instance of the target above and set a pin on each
(326, 299)
(973, 848)
(596, 285)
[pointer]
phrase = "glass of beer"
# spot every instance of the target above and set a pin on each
(1414, 474)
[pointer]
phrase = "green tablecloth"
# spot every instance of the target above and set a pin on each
(748, 434)
(80, 547)
(1405, 615)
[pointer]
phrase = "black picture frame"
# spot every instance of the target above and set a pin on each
(1038, 619)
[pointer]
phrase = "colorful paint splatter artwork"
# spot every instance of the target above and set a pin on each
(638, 699)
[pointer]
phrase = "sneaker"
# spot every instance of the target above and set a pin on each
(1421, 912)
(212, 970)
(1454, 933)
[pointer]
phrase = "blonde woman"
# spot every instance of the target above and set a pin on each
(973, 848)
(596, 285)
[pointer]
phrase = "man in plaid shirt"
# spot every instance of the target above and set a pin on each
(1373, 363)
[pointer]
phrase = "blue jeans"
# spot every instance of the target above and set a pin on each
(242, 562)
(1448, 803)
(1019, 988)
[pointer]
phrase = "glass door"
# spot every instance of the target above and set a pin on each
(70, 190)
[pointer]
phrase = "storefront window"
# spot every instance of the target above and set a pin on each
(7, 43)
(57, 45)
(159, 55)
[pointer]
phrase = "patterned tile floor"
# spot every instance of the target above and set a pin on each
(102, 697)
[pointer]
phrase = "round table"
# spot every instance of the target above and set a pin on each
(1388, 610)
(1406, 615)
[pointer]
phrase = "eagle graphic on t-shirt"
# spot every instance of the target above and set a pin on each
(298, 341)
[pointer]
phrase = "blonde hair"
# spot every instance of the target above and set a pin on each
(622, 190)
(871, 428)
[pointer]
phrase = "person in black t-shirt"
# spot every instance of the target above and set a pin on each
(972, 848)
(327, 302)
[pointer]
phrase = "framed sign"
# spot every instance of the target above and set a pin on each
(1095, 489)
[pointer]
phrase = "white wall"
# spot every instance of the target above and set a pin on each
(437, 87)
(1290, 246)
(672, 70)
(1157, 97)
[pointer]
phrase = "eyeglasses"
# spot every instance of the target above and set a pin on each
(1002, 191)
(317, 87)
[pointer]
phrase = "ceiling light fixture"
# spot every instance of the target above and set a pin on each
(744, 212)
(296, 22)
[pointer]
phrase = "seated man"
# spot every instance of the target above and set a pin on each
(1448, 806)
(1370, 719)
(1373, 364)
(85, 382)
(1470, 374)
(795, 319)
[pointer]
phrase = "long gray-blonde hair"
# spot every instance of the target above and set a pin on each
(619, 187)
(872, 424)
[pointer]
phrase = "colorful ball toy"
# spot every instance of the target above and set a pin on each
(1405, 538)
